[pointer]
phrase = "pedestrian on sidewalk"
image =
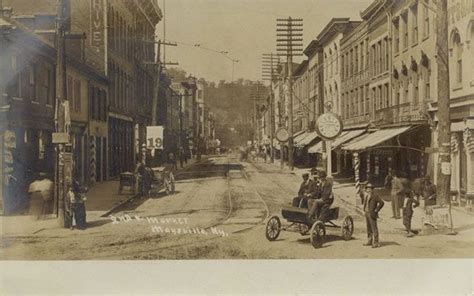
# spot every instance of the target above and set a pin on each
(409, 204)
(372, 206)
(77, 198)
(181, 156)
(400, 187)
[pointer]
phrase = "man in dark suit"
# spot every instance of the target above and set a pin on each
(303, 191)
(372, 204)
(324, 199)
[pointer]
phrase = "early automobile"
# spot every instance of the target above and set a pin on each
(316, 228)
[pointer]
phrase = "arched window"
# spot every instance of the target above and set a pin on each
(457, 55)
(330, 62)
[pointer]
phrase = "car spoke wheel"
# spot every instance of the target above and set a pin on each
(318, 232)
(273, 228)
(347, 227)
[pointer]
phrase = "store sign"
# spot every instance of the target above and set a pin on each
(154, 137)
(97, 23)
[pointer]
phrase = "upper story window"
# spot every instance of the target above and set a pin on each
(396, 35)
(404, 26)
(426, 21)
(457, 52)
(331, 62)
(414, 23)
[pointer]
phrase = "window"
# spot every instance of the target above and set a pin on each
(51, 87)
(396, 34)
(427, 89)
(351, 67)
(77, 95)
(362, 56)
(426, 23)
(457, 49)
(404, 18)
(386, 54)
(415, 92)
(387, 96)
(69, 90)
(330, 63)
(32, 81)
(356, 62)
(405, 98)
(414, 13)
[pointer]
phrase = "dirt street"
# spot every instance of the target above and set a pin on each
(219, 210)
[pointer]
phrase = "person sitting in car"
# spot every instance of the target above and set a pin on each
(303, 191)
(324, 197)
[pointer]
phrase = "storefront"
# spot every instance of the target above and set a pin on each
(400, 150)
(121, 145)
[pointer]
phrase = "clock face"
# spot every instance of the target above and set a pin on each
(329, 125)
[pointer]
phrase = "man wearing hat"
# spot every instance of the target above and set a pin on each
(372, 204)
(324, 196)
(303, 191)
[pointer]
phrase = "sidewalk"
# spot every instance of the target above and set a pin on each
(101, 198)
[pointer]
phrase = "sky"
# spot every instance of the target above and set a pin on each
(244, 28)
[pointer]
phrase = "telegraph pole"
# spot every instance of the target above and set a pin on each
(444, 120)
(156, 89)
(257, 96)
(63, 168)
(289, 36)
(268, 73)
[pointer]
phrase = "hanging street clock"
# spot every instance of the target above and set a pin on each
(329, 125)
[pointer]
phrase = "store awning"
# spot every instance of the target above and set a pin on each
(344, 137)
(299, 136)
(375, 138)
(306, 140)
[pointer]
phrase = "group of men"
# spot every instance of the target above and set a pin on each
(316, 195)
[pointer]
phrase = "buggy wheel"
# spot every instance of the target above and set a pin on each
(273, 228)
(318, 232)
(347, 228)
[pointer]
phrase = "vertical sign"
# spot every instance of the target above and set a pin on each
(154, 137)
(97, 24)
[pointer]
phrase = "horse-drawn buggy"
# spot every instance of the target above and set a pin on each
(315, 227)
(150, 180)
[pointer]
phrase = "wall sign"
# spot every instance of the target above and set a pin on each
(154, 137)
(97, 23)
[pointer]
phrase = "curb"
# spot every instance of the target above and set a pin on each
(129, 199)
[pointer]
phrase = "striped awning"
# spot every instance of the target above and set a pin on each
(307, 139)
(375, 138)
(344, 137)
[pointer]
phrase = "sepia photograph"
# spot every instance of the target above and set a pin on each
(217, 129)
